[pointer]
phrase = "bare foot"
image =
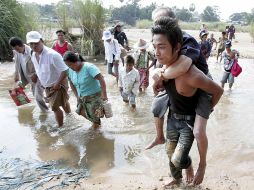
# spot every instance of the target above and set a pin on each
(199, 176)
(189, 174)
(126, 101)
(156, 141)
(168, 184)
(133, 109)
(96, 126)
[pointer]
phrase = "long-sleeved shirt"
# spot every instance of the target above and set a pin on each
(112, 48)
(24, 66)
(129, 81)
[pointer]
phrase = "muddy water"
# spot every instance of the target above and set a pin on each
(117, 149)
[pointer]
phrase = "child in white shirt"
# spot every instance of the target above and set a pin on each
(129, 81)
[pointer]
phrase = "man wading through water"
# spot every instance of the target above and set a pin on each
(183, 97)
(52, 73)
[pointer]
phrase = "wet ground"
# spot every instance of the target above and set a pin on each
(114, 156)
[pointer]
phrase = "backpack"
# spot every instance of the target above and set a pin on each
(236, 68)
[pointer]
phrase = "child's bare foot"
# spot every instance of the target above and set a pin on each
(156, 141)
(189, 174)
(199, 176)
(96, 126)
(126, 101)
(133, 107)
(171, 183)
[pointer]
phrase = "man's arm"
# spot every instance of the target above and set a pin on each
(53, 45)
(152, 58)
(60, 80)
(197, 79)
(175, 70)
(120, 83)
(70, 47)
(126, 40)
(178, 68)
(136, 84)
(16, 73)
(118, 50)
(100, 78)
(190, 52)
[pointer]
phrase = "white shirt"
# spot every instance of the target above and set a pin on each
(49, 67)
(129, 81)
(23, 57)
(111, 48)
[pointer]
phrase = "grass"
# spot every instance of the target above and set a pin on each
(144, 24)
(252, 30)
(212, 26)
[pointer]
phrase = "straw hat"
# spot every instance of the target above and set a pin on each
(141, 44)
(106, 35)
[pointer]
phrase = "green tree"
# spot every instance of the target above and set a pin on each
(192, 7)
(239, 16)
(127, 13)
(47, 10)
(63, 10)
(31, 11)
(183, 14)
(145, 13)
(13, 22)
(210, 14)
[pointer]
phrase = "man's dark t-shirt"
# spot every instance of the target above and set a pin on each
(121, 37)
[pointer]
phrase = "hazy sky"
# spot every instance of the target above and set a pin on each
(225, 7)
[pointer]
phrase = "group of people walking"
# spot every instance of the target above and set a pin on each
(227, 55)
(182, 83)
(48, 70)
(188, 91)
(134, 76)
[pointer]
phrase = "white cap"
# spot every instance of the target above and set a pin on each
(33, 37)
(106, 35)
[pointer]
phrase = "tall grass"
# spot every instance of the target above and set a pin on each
(11, 24)
(89, 17)
(252, 31)
(14, 21)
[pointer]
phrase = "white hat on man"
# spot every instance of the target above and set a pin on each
(33, 37)
(106, 35)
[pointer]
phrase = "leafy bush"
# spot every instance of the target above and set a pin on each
(144, 24)
(13, 22)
